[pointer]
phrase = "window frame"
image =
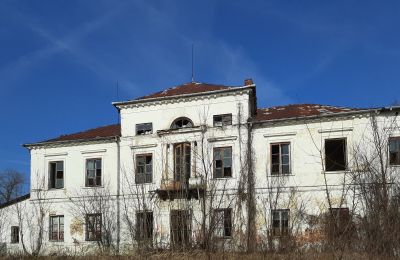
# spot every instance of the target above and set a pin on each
(144, 174)
(60, 231)
(345, 154)
(147, 226)
(280, 173)
(397, 162)
(226, 223)
(222, 148)
(175, 127)
(145, 132)
(283, 231)
(14, 235)
(50, 184)
(183, 166)
(183, 227)
(223, 116)
(98, 223)
(95, 169)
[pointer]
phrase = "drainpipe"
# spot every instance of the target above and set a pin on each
(117, 141)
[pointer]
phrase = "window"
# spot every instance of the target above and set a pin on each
(144, 129)
(14, 234)
(93, 227)
(182, 162)
(223, 120)
(181, 227)
(335, 154)
(394, 151)
(223, 222)
(144, 225)
(56, 175)
(280, 159)
(182, 122)
(222, 162)
(93, 172)
(341, 222)
(280, 222)
(56, 228)
(144, 168)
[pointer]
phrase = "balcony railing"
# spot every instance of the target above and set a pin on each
(171, 189)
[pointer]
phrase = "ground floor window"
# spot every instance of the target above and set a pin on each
(280, 222)
(56, 230)
(14, 234)
(223, 222)
(93, 227)
(181, 228)
(144, 226)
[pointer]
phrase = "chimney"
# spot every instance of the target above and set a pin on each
(248, 82)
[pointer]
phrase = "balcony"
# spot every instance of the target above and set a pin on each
(171, 189)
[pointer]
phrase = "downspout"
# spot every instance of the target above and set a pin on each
(117, 141)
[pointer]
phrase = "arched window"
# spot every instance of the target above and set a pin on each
(182, 122)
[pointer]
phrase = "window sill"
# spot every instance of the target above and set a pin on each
(92, 187)
(394, 165)
(56, 241)
(281, 175)
(223, 178)
(145, 183)
(335, 172)
(224, 238)
(55, 189)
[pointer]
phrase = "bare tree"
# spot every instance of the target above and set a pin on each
(11, 185)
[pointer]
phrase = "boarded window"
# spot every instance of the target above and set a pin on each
(144, 168)
(144, 226)
(182, 162)
(335, 154)
(222, 120)
(181, 228)
(93, 172)
(223, 222)
(56, 229)
(56, 180)
(144, 129)
(14, 234)
(222, 162)
(280, 158)
(280, 222)
(93, 227)
(394, 151)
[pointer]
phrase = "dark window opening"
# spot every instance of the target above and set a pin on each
(222, 162)
(144, 226)
(93, 227)
(222, 120)
(340, 223)
(144, 129)
(182, 122)
(14, 234)
(181, 228)
(56, 175)
(280, 222)
(56, 229)
(182, 162)
(394, 151)
(280, 159)
(335, 155)
(144, 168)
(93, 172)
(223, 222)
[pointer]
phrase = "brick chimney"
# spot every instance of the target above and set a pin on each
(248, 82)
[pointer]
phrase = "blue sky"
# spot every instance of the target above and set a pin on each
(60, 60)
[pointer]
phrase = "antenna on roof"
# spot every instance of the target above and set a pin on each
(119, 117)
(117, 91)
(192, 62)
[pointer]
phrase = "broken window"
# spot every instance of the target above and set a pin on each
(394, 151)
(280, 222)
(56, 180)
(223, 222)
(182, 122)
(222, 162)
(340, 222)
(144, 168)
(335, 154)
(14, 234)
(280, 158)
(181, 228)
(144, 225)
(182, 162)
(223, 120)
(93, 227)
(56, 230)
(144, 129)
(93, 172)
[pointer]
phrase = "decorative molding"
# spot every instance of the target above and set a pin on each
(94, 151)
(180, 131)
(56, 154)
(333, 130)
(280, 134)
(143, 146)
(220, 139)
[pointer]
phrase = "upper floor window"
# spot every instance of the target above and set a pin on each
(222, 120)
(394, 151)
(182, 162)
(144, 168)
(144, 129)
(14, 234)
(280, 158)
(335, 154)
(182, 122)
(223, 222)
(280, 222)
(56, 180)
(93, 172)
(144, 225)
(56, 231)
(93, 227)
(222, 162)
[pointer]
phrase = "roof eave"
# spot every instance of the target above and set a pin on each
(61, 142)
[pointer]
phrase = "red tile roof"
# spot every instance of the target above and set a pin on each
(95, 133)
(298, 110)
(187, 88)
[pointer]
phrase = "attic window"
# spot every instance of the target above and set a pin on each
(223, 120)
(144, 129)
(182, 122)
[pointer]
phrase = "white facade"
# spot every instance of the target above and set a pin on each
(303, 188)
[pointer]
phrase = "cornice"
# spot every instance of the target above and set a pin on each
(67, 143)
